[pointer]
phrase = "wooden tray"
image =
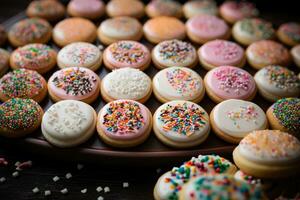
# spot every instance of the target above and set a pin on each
(152, 151)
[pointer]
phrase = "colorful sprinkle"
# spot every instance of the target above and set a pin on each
(257, 27)
(244, 112)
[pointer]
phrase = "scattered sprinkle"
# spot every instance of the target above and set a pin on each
(125, 185)
(24, 165)
(64, 191)
(99, 189)
(35, 190)
(47, 192)
(15, 174)
(100, 198)
(55, 178)
(80, 166)
(158, 170)
(17, 163)
(68, 175)
(106, 189)
(2, 179)
(83, 191)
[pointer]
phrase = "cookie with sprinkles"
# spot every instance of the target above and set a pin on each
(268, 154)
(156, 8)
(275, 82)
(284, 115)
(220, 187)
(3, 35)
(202, 7)
(124, 123)
(74, 83)
(126, 53)
(233, 119)
(289, 33)
(37, 57)
(32, 30)
(23, 83)
(178, 83)
(249, 30)
(80, 54)
(174, 53)
(19, 117)
(169, 185)
(181, 124)
(4, 61)
(228, 82)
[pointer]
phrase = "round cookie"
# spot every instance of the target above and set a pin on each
(181, 124)
(199, 7)
(23, 83)
(170, 184)
(26, 31)
(3, 35)
(80, 54)
(124, 123)
(295, 53)
(156, 8)
(219, 187)
(241, 176)
(126, 83)
(171, 53)
(74, 83)
(276, 82)
(4, 61)
(284, 115)
(163, 28)
(119, 28)
(178, 83)
(221, 52)
(47, 9)
(19, 117)
(227, 82)
(130, 8)
(267, 52)
(233, 119)
(68, 123)
(90, 9)
(289, 33)
(74, 29)
(203, 28)
(126, 53)
(268, 154)
(249, 30)
(233, 11)
(37, 57)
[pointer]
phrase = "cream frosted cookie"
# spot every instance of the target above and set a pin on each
(181, 124)
(289, 33)
(4, 61)
(80, 54)
(69, 123)
(170, 184)
(124, 123)
(233, 119)
(178, 83)
(131, 8)
(268, 154)
(295, 52)
(126, 83)
(74, 83)
(156, 8)
(275, 82)
(174, 53)
(199, 7)
(220, 187)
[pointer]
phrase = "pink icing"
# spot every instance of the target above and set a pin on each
(207, 26)
(222, 52)
(126, 136)
(229, 82)
(87, 6)
(238, 10)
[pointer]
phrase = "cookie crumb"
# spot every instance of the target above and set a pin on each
(125, 185)
(55, 178)
(106, 189)
(99, 189)
(47, 192)
(35, 190)
(68, 175)
(64, 191)
(83, 191)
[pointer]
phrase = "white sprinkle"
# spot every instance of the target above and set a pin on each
(35, 190)
(55, 178)
(125, 185)
(100, 198)
(80, 166)
(17, 163)
(47, 192)
(106, 189)
(83, 191)
(2, 179)
(99, 189)
(158, 170)
(15, 174)
(64, 191)
(68, 175)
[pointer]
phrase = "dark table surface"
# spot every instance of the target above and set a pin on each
(141, 179)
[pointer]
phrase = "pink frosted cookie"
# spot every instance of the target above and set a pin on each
(295, 53)
(289, 33)
(233, 11)
(124, 123)
(227, 82)
(267, 52)
(221, 52)
(91, 9)
(164, 8)
(199, 7)
(203, 28)
(127, 53)
(74, 83)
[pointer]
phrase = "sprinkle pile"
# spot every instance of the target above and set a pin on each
(257, 27)
(243, 112)
(176, 51)
(292, 30)
(124, 117)
(18, 114)
(183, 119)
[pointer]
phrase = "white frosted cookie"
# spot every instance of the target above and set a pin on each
(178, 83)
(69, 123)
(126, 83)
(276, 82)
(181, 124)
(80, 54)
(174, 53)
(233, 119)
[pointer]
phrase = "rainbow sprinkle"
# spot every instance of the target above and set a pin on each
(176, 51)
(244, 112)
(257, 27)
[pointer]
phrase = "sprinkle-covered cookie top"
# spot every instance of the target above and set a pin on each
(291, 30)
(257, 28)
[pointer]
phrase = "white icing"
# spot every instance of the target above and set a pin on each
(166, 90)
(127, 83)
(237, 118)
